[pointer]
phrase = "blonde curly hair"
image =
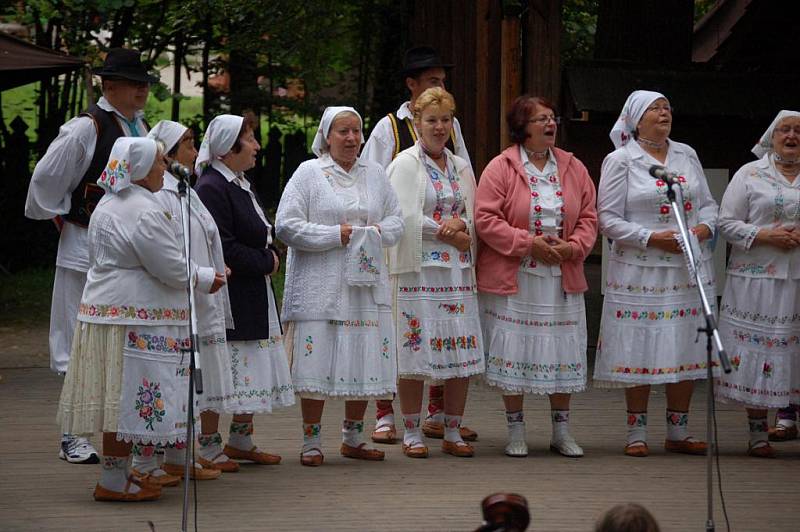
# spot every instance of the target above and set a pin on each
(434, 96)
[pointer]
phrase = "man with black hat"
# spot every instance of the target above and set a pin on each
(422, 69)
(64, 189)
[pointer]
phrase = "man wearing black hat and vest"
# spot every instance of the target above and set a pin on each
(422, 69)
(64, 189)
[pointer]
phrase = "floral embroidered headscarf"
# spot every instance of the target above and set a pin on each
(131, 159)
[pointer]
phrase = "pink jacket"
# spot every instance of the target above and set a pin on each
(502, 218)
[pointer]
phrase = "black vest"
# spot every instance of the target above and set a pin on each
(88, 193)
(405, 136)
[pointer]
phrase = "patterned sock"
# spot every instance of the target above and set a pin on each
(412, 436)
(211, 447)
(241, 435)
(435, 404)
(312, 439)
(114, 475)
(516, 425)
(677, 425)
(560, 419)
(144, 458)
(637, 427)
(452, 429)
(758, 431)
(175, 454)
(787, 417)
(353, 432)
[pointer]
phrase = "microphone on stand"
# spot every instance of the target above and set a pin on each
(661, 172)
(181, 172)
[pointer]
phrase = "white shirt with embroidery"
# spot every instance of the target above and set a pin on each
(547, 208)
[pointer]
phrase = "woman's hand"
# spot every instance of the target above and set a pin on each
(561, 246)
(779, 237)
(346, 231)
(543, 251)
(702, 231)
(276, 263)
(451, 226)
(459, 240)
(227, 271)
(219, 282)
(665, 241)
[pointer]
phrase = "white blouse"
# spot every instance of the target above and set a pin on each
(631, 204)
(759, 196)
(547, 208)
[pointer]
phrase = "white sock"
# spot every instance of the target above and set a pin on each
(787, 423)
(758, 431)
(114, 475)
(516, 425)
(312, 439)
(560, 420)
(211, 448)
(637, 427)
(174, 456)
(452, 429)
(677, 425)
(353, 432)
(241, 435)
(412, 434)
(384, 423)
(438, 417)
(144, 458)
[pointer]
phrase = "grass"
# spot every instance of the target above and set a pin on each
(25, 297)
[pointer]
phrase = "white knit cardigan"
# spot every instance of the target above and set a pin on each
(309, 221)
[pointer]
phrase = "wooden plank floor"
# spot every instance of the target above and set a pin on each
(40, 492)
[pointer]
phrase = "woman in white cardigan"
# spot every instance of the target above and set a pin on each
(336, 214)
(436, 309)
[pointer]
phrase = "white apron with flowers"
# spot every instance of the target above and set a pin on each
(438, 326)
(536, 339)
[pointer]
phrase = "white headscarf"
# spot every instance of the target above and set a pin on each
(320, 144)
(167, 132)
(221, 135)
(131, 159)
(764, 144)
(633, 110)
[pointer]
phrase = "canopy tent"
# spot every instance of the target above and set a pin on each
(22, 62)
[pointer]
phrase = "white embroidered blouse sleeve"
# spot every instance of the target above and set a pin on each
(733, 213)
(156, 245)
(392, 224)
(460, 145)
(292, 223)
(708, 209)
(611, 198)
(379, 147)
(60, 170)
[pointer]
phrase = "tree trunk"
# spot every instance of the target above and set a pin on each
(176, 83)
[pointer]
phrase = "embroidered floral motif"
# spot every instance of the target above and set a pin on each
(411, 422)
(269, 342)
(152, 342)
(451, 365)
(736, 361)
(525, 369)
(765, 341)
(436, 256)
(537, 212)
(350, 424)
(451, 343)
(242, 429)
(794, 392)
(560, 416)
(126, 312)
(311, 430)
(752, 267)
(207, 440)
(662, 202)
(637, 420)
(414, 333)
(662, 371)
(149, 403)
(355, 323)
(144, 450)
(657, 315)
(758, 425)
(212, 340)
(436, 289)
(309, 345)
(641, 289)
(456, 308)
(452, 422)
(116, 170)
(515, 417)
(436, 180)
(365, 262)
(766, 370)
(530, 323)
(757, 317)
(385, 348)
(678, 419)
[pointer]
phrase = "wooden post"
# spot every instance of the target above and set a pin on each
(542, 49)
(510, 70)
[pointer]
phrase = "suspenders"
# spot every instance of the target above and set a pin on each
(405, 136)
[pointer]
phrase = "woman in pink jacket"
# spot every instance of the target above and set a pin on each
(536, 221)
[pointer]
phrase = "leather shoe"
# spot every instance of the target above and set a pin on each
(566, 446)
(762, 451)
(361, 452)
(781, 433)
(195, 473)
(687, 446)
(253, 455)
(312, 460)
(464, 450)
(144, 493)
(228, 466)
(637, 449)
(385, 436)
(415, 452)
(148, 480)
(435, 430)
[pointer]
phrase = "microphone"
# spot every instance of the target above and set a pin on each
(661, 172)
(182, 172)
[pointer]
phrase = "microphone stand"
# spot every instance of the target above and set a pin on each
(712, 337)
(195, 372)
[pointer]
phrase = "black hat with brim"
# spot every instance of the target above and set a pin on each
(126, 64)
(421, 58)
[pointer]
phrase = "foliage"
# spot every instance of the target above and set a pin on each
(579, 24)
(25, 296)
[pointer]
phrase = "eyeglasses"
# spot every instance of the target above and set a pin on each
(785, 130)
(544, 120)
(659, 108)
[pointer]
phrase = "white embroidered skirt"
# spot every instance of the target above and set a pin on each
(760, 328)
(649, 326)
(260, 370)
(535, 339)
(351, 359)
(438, 327)
(215, 362)
(132, 380)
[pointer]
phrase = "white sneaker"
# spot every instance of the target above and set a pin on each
(517, 448)
(77, 450)
(566, 446)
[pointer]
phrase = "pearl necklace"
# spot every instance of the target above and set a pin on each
(651, 144)
(536, 155)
